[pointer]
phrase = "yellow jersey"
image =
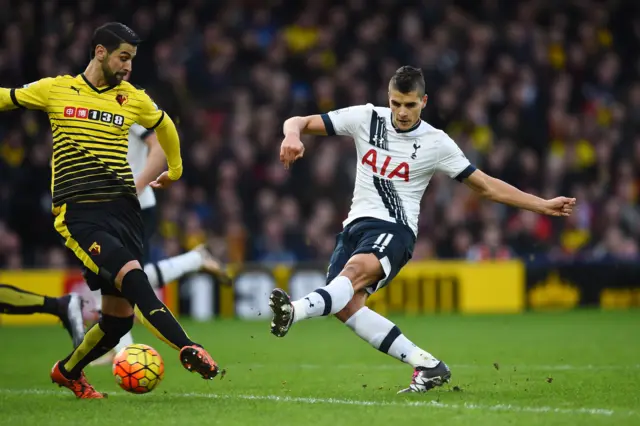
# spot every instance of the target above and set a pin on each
(90, 133)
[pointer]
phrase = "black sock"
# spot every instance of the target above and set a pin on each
(156, 316)
(99, 340)
(15, 301)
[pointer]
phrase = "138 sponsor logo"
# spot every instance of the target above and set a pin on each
(93, 114)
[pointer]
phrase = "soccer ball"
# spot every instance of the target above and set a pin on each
(138, 368)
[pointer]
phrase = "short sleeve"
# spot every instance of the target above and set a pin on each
(34, 95)
(452, 160)
(345, 121)
(150, 115)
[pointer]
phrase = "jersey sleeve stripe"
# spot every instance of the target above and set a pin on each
(14, 99)
(465, 173)
(328, 124)
(158, 123)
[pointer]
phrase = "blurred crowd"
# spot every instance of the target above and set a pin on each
(543, 94)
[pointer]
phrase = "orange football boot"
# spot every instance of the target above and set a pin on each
(80, 387)
(197, 359)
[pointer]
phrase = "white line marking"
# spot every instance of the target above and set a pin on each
(396, 366)
(337, 401)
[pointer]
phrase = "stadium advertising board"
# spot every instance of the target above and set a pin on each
(55, 283)
(420, 288)
(596, 284)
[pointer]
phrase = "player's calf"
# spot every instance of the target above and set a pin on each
(321, 302)
(360, 271)
(107, 359)
(159, 319)
(99, 340)
(385, 336)
(155, 315)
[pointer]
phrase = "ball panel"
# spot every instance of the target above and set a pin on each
(138, 368)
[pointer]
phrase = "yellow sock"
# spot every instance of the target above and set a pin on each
(84, 349)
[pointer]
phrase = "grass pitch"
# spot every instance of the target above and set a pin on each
(576, 368)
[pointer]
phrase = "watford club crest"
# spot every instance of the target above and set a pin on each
(95, 249)
(122, 98)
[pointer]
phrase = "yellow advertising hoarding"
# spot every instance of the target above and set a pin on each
(420, 288)
(56, 283)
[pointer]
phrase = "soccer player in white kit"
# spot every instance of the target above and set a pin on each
(397, 154)
(147, 161)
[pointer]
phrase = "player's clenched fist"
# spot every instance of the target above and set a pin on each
(560, 206)
(290, 150)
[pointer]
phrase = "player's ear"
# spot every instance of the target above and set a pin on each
(101, 52)
(424, 101)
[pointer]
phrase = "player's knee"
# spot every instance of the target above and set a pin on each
(355, 268)
(116, 327)
(138, 291)
(116, 306)
(128, 267)
(362, 270)
(116, 265)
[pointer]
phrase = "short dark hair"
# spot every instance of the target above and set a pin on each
(111, 35)
(408, 79)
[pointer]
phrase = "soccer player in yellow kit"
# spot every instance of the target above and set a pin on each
(94, 197)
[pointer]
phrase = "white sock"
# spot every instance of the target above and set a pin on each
(324, 301)
(385, 336)
(125, 341)
(173, 268)
(97, 297)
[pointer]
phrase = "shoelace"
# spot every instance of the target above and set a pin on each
(81, 387)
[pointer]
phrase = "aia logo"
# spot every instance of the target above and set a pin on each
(95, 249)
(401, 171)
(122, 98)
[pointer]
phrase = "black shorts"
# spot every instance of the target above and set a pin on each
(104, 236)
(150, 223)
(392, 243)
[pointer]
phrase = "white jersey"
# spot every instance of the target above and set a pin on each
(394, 166)
(137, 158)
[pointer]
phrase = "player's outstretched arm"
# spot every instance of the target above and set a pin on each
(501, 192)
(31, 96)
(155, 165)
(292, 147)
(343, 122)
(6, 99)
(309, 125)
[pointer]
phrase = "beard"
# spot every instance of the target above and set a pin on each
(112, 78)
